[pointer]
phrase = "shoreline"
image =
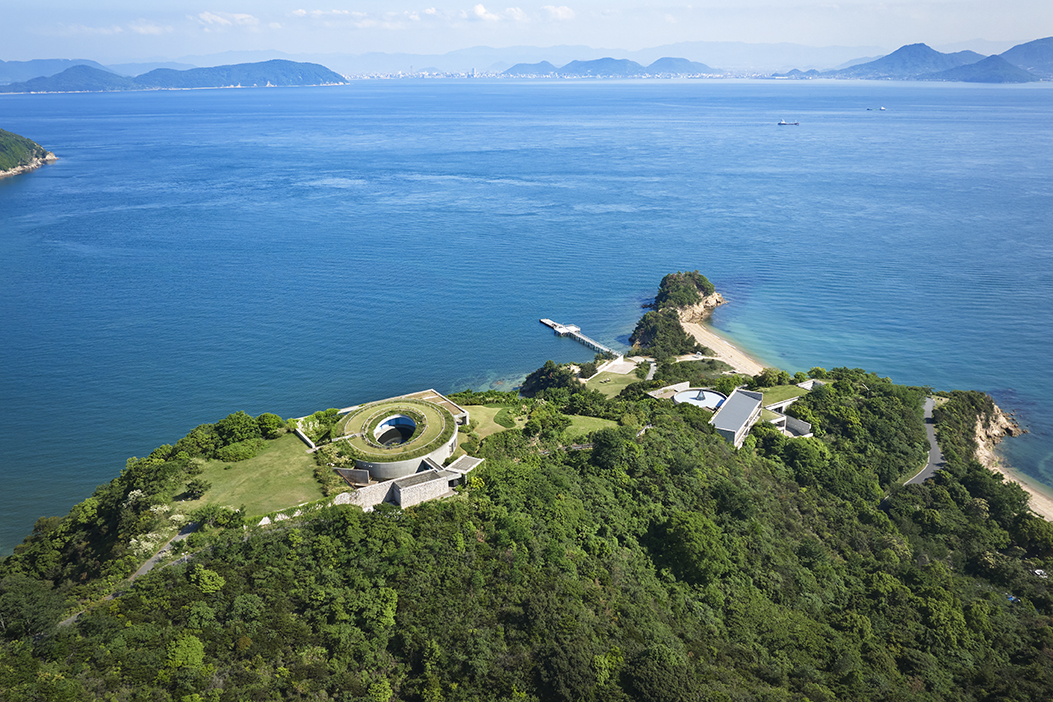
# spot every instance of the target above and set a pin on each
(693, 320)
(723, 349)
(1041, 502)
(1041, 496)
(34, 164)
(999, 427)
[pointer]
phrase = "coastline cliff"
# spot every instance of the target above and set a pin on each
(990, 430)
(21, 155)
(702, 310)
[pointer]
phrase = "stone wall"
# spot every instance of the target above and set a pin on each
(415, 494)
(367, 497)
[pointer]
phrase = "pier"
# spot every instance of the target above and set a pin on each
(574, 332)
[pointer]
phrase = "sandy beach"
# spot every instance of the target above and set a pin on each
(999, 428)
(724, 351)
(1041, 502)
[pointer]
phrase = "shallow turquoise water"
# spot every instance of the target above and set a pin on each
(286, 250)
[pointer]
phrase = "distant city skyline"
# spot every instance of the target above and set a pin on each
(122, 30)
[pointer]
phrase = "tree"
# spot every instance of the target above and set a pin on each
(27, 606)
(271, 425)
(196, 488)
(609, 450)
(660, 334)
(208, 581)
(696, 547)
(549, 376)
(237, 427)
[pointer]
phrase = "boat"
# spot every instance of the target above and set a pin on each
(784, 123)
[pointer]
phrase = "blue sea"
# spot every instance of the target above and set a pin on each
(286, 250)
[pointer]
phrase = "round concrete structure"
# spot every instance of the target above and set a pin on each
(393, 437)
(700, 397)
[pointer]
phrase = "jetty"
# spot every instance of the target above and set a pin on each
(574, 332)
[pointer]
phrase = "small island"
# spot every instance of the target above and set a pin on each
(21, 155)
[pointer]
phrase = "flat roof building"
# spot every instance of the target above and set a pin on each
(737, 415)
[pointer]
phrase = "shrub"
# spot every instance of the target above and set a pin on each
(237, 427)
(271, 425)
(241, 451)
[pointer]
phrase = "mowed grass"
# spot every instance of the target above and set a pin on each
(483, 418)
(436, 421)
(610, 384)
(781, 392)
(580, 426)
(281, 476)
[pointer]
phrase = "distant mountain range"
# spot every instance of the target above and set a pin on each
(1023, 63)
(612, 68)
(13, 71)
(88, 78)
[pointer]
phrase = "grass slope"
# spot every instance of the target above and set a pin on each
(781, 392)
(281, 475)
(483, 419)
(581, 426)
(610, 384)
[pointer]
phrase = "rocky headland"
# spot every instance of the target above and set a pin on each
(33, 164)
(701, 311)
(21, 155)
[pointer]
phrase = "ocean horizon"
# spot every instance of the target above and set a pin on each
(195, 253)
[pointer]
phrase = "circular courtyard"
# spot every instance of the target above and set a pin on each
(392, 437)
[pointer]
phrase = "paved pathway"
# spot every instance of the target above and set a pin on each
(145, 567)
(156, 558)
(936, 461)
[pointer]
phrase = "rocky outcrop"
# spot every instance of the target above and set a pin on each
(32, 165)
(989, 431)
(701, 311)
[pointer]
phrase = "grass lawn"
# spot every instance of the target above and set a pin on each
(580, 426)
(610, 384)
(281, 476)
(782, 392)
(437, 420)
(483, 419)
(767, 415)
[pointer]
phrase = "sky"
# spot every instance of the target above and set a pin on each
(141, 30)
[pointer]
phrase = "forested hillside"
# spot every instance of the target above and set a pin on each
(661, 564)
(17, 151)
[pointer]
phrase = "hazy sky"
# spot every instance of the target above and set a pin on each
(126, 30)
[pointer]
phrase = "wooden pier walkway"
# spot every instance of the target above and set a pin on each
(574, 332)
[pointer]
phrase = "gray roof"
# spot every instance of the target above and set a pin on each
(465, 463)
(737, 410)
(418, 478)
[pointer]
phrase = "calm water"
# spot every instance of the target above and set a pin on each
(197, 253)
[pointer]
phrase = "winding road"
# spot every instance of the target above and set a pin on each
(936, 461)
(145, 567)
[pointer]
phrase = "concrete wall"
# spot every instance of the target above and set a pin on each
(400, 469)
(780, 407)
(367, 497)
(415, 494)
(798, 426)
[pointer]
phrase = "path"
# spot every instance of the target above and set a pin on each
(156, 558)
(145, 568)
(936, 461)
